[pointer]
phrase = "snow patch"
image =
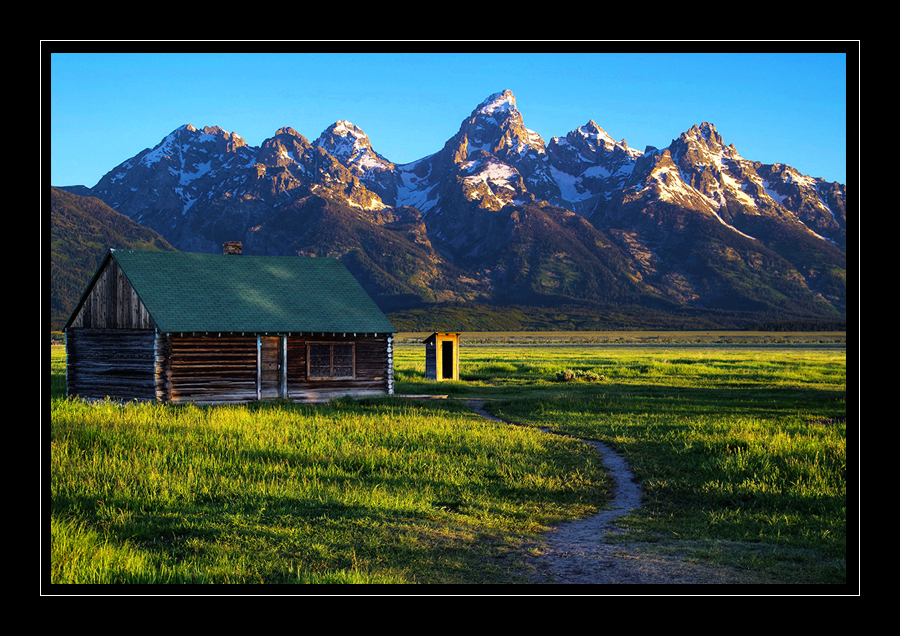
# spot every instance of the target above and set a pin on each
(570, 188)
(494, 172)
(415, 191)
(187, 177)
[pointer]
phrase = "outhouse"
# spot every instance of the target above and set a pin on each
(442, 356)
(178, 327)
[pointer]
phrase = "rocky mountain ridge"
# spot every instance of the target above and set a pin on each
(499, 217)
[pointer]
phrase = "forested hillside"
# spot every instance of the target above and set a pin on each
(82, 229)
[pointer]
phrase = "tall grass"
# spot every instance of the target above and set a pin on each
(741, 453)
(380, 491)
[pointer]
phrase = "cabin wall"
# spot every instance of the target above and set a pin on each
(212, 368)
(116, 363)
(209, 368)
(373, 367)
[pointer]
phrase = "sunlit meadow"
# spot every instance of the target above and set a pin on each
(740, 450)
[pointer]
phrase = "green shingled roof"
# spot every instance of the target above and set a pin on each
(230, 293)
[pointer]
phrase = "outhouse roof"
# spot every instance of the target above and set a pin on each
(433, 337)
(244, 293)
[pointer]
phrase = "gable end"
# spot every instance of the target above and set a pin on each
(110, 302)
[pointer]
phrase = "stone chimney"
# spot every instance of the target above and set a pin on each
(232, 247)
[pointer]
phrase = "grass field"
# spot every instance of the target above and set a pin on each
(740, 448)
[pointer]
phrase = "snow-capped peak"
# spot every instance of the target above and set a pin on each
(343, 140)
(497, 103)
(347, 143)
(707, 135)
(344, 128)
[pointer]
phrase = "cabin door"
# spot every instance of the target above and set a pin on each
(270, 367)
(447, 360)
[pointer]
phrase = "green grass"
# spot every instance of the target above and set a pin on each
(379, 491)
(740, 450)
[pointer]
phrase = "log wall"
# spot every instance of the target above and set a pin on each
(209, 368)
(116, 363)
(232, 368)
(373, 368)
(218, 368)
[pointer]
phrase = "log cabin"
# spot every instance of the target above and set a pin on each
(226, 328)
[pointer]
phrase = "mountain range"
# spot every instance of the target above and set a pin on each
(501, 230)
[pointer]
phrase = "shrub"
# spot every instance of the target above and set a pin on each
(586, 376)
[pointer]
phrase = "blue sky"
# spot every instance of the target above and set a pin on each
(774, 107)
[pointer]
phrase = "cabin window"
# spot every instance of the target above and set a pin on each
(331, 361)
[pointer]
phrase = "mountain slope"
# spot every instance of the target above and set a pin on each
(82, 229)
(498, 217)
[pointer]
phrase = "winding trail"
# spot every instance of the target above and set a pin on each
(577, 552)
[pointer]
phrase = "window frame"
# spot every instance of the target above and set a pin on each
(331, 346)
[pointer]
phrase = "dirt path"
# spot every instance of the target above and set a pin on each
(579, 553)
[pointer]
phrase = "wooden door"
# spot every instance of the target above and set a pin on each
(270, 372)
